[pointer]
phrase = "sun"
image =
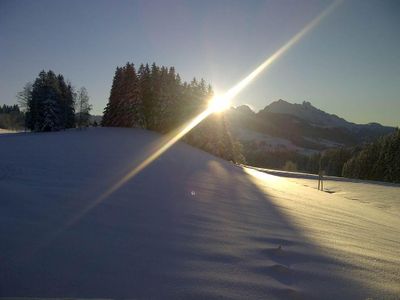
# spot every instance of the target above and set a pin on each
(218, 104)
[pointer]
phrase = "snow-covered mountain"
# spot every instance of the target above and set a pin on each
(306, 111)
(301, 125)
(189, 226)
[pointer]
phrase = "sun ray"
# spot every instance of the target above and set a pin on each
(216, 104)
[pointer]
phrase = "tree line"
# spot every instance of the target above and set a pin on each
(155, 98)
(8, 109)
(11, 117)
(52, 104)
(378, 160)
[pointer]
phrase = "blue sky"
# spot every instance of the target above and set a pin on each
(348, 65)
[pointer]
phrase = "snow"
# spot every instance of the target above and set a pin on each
(189, 226)
(383, 195)
(4, 131)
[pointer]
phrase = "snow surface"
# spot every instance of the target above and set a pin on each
(189, 226)
(383, 195)
(4, 131)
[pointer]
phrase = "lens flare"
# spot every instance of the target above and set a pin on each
(216, 104)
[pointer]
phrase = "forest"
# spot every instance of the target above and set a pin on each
(378, 160)
(11, 117)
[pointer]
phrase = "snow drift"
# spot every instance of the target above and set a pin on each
(188, 226)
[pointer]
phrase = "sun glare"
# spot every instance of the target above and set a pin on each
(219, 104)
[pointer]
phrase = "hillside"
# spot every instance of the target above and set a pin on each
(189, 226)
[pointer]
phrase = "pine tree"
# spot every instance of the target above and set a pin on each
(35, 104)
(51, 114)
(133, 107)
(156, 99)
(67, 103)
(50, 104)
(111, 110)
(146, 94)
(379, 160)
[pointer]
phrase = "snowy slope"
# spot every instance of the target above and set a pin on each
(383, 195)
(190, 226)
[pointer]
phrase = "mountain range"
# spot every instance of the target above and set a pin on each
(299, 127)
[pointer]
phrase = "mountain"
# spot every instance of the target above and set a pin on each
(306, 111)
(302, 127)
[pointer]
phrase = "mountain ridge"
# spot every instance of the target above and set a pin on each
(286, 107)
(303, 125)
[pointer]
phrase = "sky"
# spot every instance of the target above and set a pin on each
(349, 64)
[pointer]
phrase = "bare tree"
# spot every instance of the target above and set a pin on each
(83, 108)
(24, 96)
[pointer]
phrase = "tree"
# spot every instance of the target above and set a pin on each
(146, 94)
(24, 96)
(111, 110)
(379, 160)
(49, 103)
(51, 113)
(67, 103)
(131, 113)
(83, 108)
(155, 98)
(11, 117)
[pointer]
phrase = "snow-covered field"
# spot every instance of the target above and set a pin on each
(382, 195)
(189, 226)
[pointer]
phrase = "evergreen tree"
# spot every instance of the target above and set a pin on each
(111, 111)
(131, 113)
(146, 94)
(379, 160)
(50, 103)
(155, 98)
(11, 117)
(51, 114)
(67, 103)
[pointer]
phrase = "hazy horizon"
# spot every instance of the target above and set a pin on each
(349, 65)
